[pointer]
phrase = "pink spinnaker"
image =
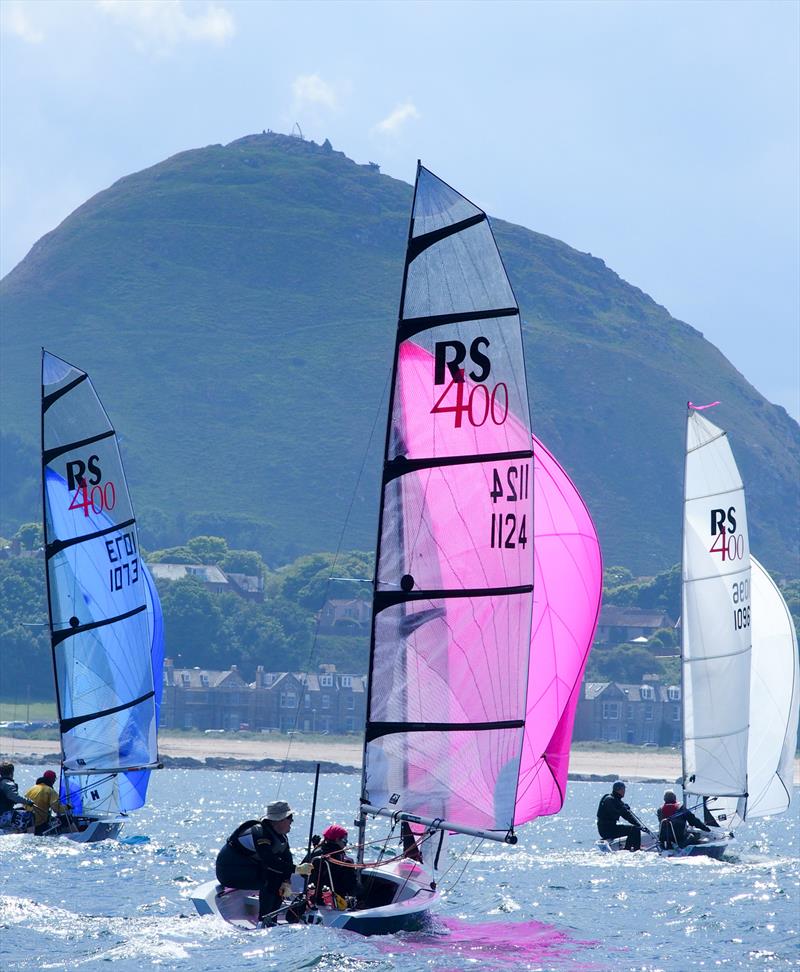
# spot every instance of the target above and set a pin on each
(568, 582)
(469, 663)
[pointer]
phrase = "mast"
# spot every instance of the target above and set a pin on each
(683, 605)
(362, 817)
(45, 544)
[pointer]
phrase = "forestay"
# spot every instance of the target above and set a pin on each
(716, 618)
(105, 620)
(454, 575)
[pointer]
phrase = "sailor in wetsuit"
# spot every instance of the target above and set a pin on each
(257, 856)
(609, 810)
(674, 818)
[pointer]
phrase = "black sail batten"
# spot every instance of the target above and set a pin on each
(410, 326)
(385, 599)
(48, 400)
(58, 545)
(419, 244)
(51, 454)
(375, 730)
(67, 724)
(400, 466)
(64, 633)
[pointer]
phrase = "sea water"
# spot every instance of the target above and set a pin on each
(551, 902)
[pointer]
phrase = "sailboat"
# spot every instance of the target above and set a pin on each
(465, 733)
(105, 618)
(739, 655)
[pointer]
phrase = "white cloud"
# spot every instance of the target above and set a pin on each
(310, 89)
(159, 25)
(393, 122)
(17, 23)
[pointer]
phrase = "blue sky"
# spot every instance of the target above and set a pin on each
(662, 137)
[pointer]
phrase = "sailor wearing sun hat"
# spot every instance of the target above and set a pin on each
(256, 856)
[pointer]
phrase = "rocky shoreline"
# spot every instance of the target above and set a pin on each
(291, 766)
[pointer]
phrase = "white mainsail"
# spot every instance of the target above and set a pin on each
(716, 644)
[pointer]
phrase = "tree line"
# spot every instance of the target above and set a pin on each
(216, 630)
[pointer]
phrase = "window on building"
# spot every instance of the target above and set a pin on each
(186, 679)
(326, 701)
(611, 732)
(326, 681)
(676, 713)
(351, 702)
(611, 710)
(288, 700)
(347, 681)
(188, 721)
(629, 711)
(674, 693)
(647, 692)
(204, 680)
(650, 734)
(307, 701)
(648, 713)
(349, 724)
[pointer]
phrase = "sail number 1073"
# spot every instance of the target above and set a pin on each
(512, 485)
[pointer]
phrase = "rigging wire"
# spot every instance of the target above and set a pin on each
(330, 578)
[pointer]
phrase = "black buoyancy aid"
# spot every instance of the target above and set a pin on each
(277, 861)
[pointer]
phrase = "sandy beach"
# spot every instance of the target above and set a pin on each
(644, 764)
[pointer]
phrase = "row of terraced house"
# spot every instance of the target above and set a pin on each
(324, 701)
(328, 701)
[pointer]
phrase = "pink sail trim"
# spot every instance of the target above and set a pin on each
(568, 581)
(700, 408)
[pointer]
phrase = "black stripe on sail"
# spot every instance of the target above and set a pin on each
(58, 545)
(376, 729)
(50, 454)
(47, 400)
(385, 599)
(410, 326)
(67, 724)
(400, 465)
(59, 636)
(418, 244)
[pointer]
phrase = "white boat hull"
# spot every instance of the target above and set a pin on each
(713, 845)
(404, 883)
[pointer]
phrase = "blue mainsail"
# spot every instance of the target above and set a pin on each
(105, 618)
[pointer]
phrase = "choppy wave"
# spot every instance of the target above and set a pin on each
(551, 902)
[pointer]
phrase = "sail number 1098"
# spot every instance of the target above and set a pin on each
(509, 530)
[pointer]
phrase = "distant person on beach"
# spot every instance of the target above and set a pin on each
(257, 856)
(331, 868)
(609, 810)
(44, 799)
(674, 818)
(10, 797)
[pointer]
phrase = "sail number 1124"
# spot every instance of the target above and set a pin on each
(510, 530)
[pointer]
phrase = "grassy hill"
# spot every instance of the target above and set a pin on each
(236, 305)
